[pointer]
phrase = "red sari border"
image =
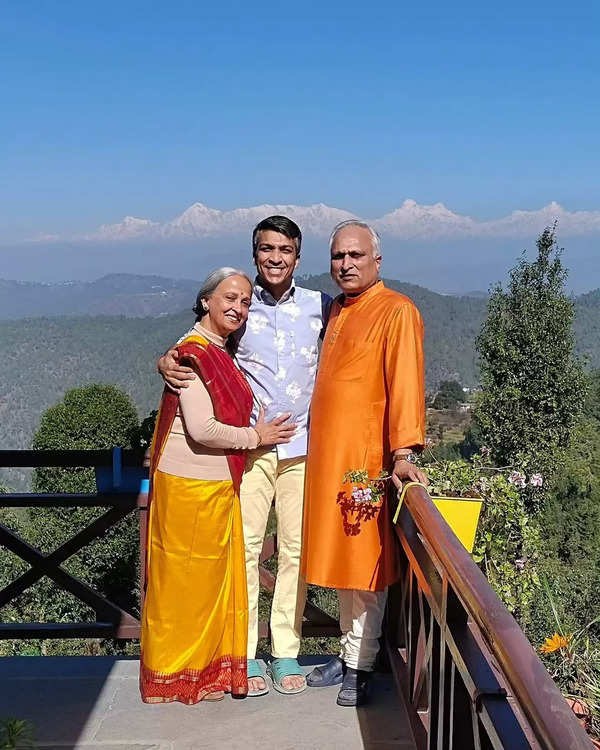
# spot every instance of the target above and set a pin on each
(189, 686)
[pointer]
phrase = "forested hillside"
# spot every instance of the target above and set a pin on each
(40, 358)
(115, 294)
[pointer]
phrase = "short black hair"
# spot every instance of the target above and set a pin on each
(280, 224)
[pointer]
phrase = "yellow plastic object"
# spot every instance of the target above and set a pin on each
(460, 513)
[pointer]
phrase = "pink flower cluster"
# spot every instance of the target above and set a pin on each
(520, 480)
(361, 496)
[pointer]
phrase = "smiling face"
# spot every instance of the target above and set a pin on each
(354, 265)
(276, 259)
(228, 306)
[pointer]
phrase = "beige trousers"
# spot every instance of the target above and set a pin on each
(267, 478)
(361, 615)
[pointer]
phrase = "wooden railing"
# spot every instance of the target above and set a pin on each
(121, 474)
(466, 671)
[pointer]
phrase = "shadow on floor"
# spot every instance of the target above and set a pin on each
(94, 703)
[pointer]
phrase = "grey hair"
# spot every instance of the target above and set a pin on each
(375, 239)
(211, 282)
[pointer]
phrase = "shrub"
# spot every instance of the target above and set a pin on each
(91, 417)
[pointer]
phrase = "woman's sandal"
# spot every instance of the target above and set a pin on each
(254, 670)
(218, 695)
(280, 668)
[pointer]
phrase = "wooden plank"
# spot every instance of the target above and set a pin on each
(269, 548)
(320, 631)
(402, 681)
(42, 630)
(317, 616)
(49, 500)
(66, 459)
(47, 563)
(267, 579)
(102, 606)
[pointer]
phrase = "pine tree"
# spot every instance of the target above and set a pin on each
(533, 385)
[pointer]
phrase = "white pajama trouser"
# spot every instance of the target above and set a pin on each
(361, 616)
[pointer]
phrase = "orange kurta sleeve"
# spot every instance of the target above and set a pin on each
(404, 369)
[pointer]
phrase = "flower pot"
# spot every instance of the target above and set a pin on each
(460, 513)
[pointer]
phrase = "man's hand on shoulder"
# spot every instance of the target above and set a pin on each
(405, 471)
(175, 375)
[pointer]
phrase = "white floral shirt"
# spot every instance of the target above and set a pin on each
(278, 349)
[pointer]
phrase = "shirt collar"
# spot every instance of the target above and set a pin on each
(265, 296)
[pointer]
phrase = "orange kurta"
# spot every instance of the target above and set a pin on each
(369, 400)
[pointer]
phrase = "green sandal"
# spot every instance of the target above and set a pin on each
(254, 670)
(280, 668)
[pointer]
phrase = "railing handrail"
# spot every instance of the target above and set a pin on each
(550, 718)
(317, 624)
(66, 458)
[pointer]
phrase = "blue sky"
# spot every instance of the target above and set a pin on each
(143, 108)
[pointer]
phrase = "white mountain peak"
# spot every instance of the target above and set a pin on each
(410, 221)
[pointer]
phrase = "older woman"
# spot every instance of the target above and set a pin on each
(194, 622)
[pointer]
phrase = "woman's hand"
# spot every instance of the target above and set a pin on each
(275, 431)
(175, 375)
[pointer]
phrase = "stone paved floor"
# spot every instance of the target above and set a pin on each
(93, 703)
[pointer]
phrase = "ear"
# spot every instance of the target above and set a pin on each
(378, 262)
(297, 261)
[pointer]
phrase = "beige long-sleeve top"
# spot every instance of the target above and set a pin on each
(196, 445)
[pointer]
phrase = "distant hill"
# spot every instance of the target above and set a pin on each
(42, 357)
(115, 294)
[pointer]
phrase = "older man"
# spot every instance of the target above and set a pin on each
(368, 412)
(278, 351)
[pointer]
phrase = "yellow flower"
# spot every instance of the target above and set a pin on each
(555, 643)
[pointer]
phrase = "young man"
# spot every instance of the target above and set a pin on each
(368, 412)
(278, 350)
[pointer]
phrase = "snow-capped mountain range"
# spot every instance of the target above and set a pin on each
(410, 221)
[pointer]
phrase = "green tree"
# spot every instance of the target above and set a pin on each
(570, 529)
(90, 417)
(592, 403)
(533, 386)
(450, 394)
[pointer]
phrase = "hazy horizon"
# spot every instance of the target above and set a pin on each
(446, 267)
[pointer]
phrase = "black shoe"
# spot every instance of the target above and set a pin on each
(355, 688)
(331, 673)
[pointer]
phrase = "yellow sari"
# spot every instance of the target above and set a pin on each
(195, 614)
